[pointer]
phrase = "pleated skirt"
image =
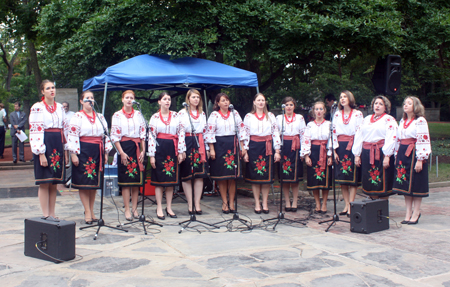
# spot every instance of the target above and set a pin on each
(55, 172)
(87, 174)
(376, 181)
(225, 166)
(166, 172)
(129, 175)
(260, 168)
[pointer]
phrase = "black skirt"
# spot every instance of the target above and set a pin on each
(376, 181)
(87, 174)
(292, 166)
(259, 168)
(224, 166)
(193, 156)
(166, 161)
(317, 178)
(54, 173)
(407, 181)
(129, 175)
(346, 173)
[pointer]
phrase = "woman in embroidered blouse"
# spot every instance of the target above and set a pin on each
(196, 158)
(127, 131)
(220, 136)
(261, 132)
(168, 131)
(47, 120)
(292, 166)
(345, 123)
(317, 154)
(374, 145)
(411, 179)
(85, 144)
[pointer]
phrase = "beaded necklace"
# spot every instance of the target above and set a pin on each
(373, 120)
(346, 121)
(223, 116)
(91, 119)
(128, 115)
(162, 119)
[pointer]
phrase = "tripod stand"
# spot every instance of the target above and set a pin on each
(192, 218)
(238, 160)
(144, 174)
(280, 217)
(335, 215)
(101, 222)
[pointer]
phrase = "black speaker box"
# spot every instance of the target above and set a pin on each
(387, 76)
(53, 237)
(369, 216)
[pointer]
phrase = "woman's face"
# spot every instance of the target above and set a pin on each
(87, 105)
(223, 103)
(128, 99)
(194, 100)
(49, 91)
(165, 102)
(344, 100)
(289, 108)
(408, 106)
(378, 107)
(259, 102)
(319, 111)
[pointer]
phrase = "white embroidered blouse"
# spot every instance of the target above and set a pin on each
(315, 131)
(294, 126)
(122, 126)
(255, 127)
(384, 128)
(339, 128)
(220, 126)
(175, 127)
(80, 126)
(199, 123)
(40, 119)
(418, 130)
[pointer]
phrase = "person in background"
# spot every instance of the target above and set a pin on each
(330, 100)
(69, 115)
(18, 119)
(2, 129)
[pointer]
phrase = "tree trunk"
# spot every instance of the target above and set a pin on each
(34, 64)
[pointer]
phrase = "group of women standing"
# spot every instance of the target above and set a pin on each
(186, 146)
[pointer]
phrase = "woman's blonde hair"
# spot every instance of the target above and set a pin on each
(387, 103)
(419, 109)
(200, 103)
(314, 106)
(265, 110)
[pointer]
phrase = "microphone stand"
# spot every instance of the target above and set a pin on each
(144, 175)
(192, 217)
(248, 226)
(101, 222)
(280, 218)
(335, 215)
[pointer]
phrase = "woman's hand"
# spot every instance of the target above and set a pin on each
(106, 158)
(386, 162)
(245, 157)
(329, 161)
(74, 159)
(208, 154)
(243, 152)
(308, 160)
(141, 157)
(184, 155)
(66, 153)
(358, 160)
(418, 167)
(180, 158)
(153, 162)
(212, 154)
(124, 158)
(336, 157)
(43, 160)
(277, 157)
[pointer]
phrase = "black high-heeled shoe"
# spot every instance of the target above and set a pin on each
(293, 209)
(257, 211)
(198, 212)
(415, 222)
(404, 222)
(191, 212)
(225, 211)
(288, 209)
(171, 215)
(160, 217)
(343, 213)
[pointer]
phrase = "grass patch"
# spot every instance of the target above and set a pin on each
(443, 172)
(439, 130)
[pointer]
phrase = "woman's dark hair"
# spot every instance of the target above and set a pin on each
(43, 84)
(84, 93)
(217, 100)
(162, 95)
(289, 99)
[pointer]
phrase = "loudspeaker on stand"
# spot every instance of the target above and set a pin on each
(369, 216)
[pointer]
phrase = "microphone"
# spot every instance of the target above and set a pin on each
(185, 105)
(88, 101)
(335, 103)
(135, 103)
(231, 107)
(283, 106)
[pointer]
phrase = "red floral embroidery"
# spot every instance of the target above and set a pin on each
(89, 167)
(319, 173)
(229, 159)
(169, 166)
(55, 158)
(132, 168)
(260, 165)
(401, 173)
(194, 156)
(346, 163)
(287, 168)
(374, 173)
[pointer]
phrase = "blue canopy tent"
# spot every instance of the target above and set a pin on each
(150, 72)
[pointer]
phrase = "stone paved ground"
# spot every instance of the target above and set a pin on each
(414, 255)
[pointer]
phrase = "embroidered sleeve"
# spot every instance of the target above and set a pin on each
(275, 132)
(306, 142)
(335, 140)
(210, 135)
(141, 127)
(181, 135)
(240, 125)
(116, 129)
(205, 126)
(36, 121)
(329, 139)
(108, 145)
(152, 136)
(301, 130)
(390, 141)
(65, 125)
(423, 144)
(357, 142)
(245, 134)
(73, 139)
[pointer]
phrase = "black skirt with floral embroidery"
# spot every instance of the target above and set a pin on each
(317, 178)
(407, 181)
(193, 157)
(259, 168)
(87, 174)
(166, 171)
(130, 174)
(347, 173)
(55, 171)
(224, 166)
(292, 166)
(376, 181)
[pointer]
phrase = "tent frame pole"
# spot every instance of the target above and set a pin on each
(104, 98)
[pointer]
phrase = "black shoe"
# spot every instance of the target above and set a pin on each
(198, 212)
(343, 213)
(404, 222)
(32, 159)
(88, 222)
(171, 215)
(265, 211)
(191, 212)
(293, 209)
(225, 211)
(257, 211)
(160, 217)
(415, 222)
(287, 209)
(232, 211)
(15, 161)
(22, 160)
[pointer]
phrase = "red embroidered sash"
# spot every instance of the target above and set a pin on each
(136, 141)
(295, 141)
(345, 138)
(374, 149)
(323, 152)
(201, 150)
(267, 139)
(95, 140)
(170, 137)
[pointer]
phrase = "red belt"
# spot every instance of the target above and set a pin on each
(267, 139)
(349, 139)
(323, 152)
(410, 142)
(95, 140)
(170, 137)
(136, 141)
(374, 149)
(295, 141)
(57, 130)
(201, 150)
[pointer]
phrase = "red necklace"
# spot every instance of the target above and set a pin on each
(287, 119)
(51, 109)
(318, 123)
(194, 117)
(162, 119)
(405, 125)
(223, 116)
(91, 119)
(128, 115)
(346, 121)
(260, 118)
(373, 116)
